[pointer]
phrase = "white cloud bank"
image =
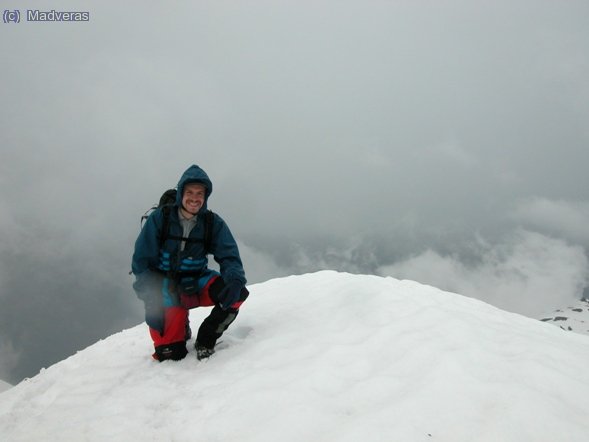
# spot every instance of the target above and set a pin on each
(527, 274)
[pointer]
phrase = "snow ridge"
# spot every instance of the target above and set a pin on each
(573, 318)
(323, 357)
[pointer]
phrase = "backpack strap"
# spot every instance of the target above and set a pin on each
(164, 232)
(209, 218)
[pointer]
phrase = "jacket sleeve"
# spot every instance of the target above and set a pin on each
(145, 258)
(226, 253)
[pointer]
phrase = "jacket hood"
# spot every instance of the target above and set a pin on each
(194, 174)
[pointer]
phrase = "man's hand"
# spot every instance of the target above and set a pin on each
(230, 294)
(148, 287)
(154, 315)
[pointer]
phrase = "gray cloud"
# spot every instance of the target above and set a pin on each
(566, 219)
(346, 135)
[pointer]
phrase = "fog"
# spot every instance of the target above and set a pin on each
(445, 142)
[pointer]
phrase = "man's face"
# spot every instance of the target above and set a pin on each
(193, 197)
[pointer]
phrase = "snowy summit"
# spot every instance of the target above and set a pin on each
(323, 357)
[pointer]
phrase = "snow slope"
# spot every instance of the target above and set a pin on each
(324, 357)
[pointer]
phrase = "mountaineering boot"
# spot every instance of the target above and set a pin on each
(203, 352)
(175, 351)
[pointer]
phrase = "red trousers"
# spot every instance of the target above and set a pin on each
(173, 340)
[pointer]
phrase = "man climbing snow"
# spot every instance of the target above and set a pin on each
(170, 265)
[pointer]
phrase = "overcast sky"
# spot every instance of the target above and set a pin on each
(441, 141)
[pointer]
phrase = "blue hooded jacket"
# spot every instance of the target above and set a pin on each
(149, 262)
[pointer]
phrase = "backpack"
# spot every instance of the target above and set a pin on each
(166, 203)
